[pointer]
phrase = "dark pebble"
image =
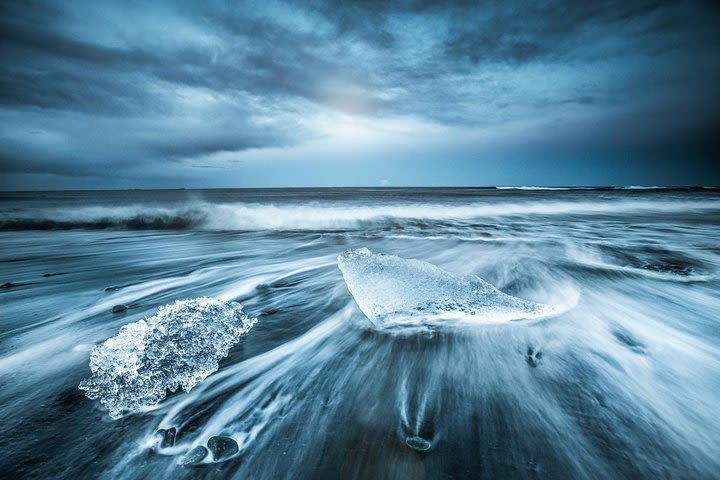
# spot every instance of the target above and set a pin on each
(194, 456)
(112, 289)
(119, 308)
(222, 447)
(533, 357)
(418, 444)
(629, 341)
(6, 285)
(167, 437)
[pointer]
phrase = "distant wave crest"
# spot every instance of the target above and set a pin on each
(320, 216)
(153, 220)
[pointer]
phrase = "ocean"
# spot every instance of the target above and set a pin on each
(588, 344)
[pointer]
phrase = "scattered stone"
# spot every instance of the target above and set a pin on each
(167, 437)
(6, 285)
(418, 444)
(119, 308)
(629, 341)
(47, 275)
(194, 456)
(112, 289)
(532, 357)
(222, 448)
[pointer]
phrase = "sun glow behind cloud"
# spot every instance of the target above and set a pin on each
(168, 95)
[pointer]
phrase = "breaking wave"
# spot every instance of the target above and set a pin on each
(323, 216)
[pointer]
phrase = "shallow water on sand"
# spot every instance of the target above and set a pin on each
(624, 384)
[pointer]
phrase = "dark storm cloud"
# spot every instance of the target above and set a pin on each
(97, 88)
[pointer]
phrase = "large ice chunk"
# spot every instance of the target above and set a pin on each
(178, 347)
(394, 291)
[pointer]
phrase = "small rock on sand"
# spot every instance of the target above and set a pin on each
(194, 456)
(167, 437)
(222, 447)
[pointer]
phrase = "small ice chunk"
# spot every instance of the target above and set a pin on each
(393, 291)
(178, 347)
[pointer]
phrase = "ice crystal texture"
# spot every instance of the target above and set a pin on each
(393, 291)
(178, 347)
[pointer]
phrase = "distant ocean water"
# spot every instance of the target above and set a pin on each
(622, 382)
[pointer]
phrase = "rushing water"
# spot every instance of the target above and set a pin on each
(622, 381)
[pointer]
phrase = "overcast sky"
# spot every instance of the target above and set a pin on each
(321, 93)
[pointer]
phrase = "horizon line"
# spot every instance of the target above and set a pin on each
(390, 187)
